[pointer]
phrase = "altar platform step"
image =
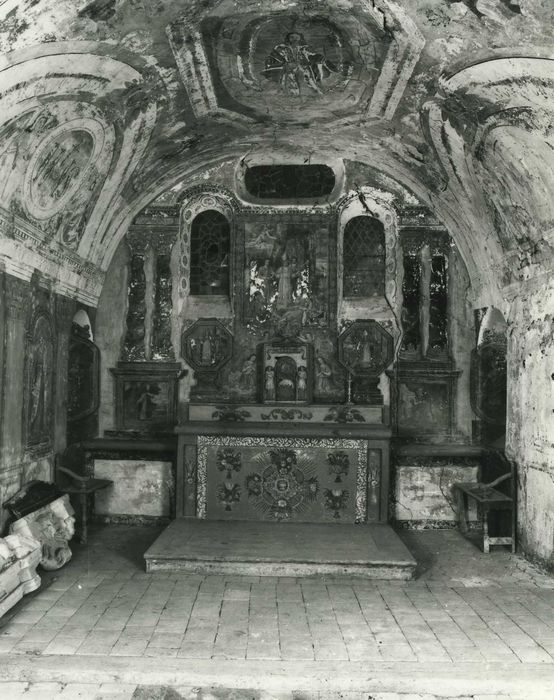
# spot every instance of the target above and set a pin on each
(280, 549)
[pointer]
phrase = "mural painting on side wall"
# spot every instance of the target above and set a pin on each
(39, 385)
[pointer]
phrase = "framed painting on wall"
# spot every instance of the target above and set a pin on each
(146, 395)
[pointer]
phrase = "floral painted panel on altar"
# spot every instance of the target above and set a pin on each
(285, 479)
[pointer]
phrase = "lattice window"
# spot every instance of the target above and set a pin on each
(209, 254)
(364, 258)
(289, 181)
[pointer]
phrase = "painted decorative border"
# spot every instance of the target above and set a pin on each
(205, 441)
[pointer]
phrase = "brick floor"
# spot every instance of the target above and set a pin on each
(102, 604)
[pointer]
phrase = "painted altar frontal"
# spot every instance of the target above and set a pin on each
(246, 470)
(284, 479)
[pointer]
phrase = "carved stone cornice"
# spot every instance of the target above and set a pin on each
(25, 248)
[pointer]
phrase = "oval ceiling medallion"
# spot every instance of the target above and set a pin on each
(60, 165)
(307, 65)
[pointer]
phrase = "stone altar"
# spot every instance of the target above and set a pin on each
(295, 464)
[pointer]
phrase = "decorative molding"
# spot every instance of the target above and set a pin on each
(26, 249)
(186, 44)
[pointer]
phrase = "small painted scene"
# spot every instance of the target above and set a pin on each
(287, 273)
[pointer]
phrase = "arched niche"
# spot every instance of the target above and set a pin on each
(198, 208)
(488, 375)
(83, 377)
(81, 319)
(378, 300)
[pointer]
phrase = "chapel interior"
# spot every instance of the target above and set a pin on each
(279, 265)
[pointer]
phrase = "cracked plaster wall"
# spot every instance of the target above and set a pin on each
(530, 438)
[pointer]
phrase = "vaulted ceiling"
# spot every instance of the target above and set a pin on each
(107, 105)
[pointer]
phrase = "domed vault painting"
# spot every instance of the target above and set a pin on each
(308, 65)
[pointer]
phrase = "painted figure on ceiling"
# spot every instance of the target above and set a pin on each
(293, 65)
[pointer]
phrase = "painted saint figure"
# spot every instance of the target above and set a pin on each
(284, 289)
(269, 384)
(364, 349)
(293, 65)
(323, 376)
(247, 379)
(302, 384)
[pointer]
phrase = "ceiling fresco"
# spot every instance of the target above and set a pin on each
(108, 104)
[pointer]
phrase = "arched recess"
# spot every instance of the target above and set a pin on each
(193, 203)
(83, 380)
(367, 202)
(489, 128)
(488, 377)
(73, 127)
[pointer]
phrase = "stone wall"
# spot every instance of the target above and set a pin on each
(530, 436)
(141, 489)
(110, 331)
(34, 336)
(422, 479)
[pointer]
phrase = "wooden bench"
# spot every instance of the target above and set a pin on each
(489, 499)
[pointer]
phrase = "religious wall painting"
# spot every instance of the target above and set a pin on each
(17, 138)
(242, 380)
(424, 408)
(286, 276)
(64, 173)
(365, 347)
(146, 395)
(286, 372)
(365, 350)
(58, 167)
(39, 382)
(304, 67)
(207, 345)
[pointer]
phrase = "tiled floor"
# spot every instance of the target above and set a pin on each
(466, 610)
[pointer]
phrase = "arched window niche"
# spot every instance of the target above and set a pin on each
(210, 240)
(366, 256)
(206, 259)
(363, 272)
